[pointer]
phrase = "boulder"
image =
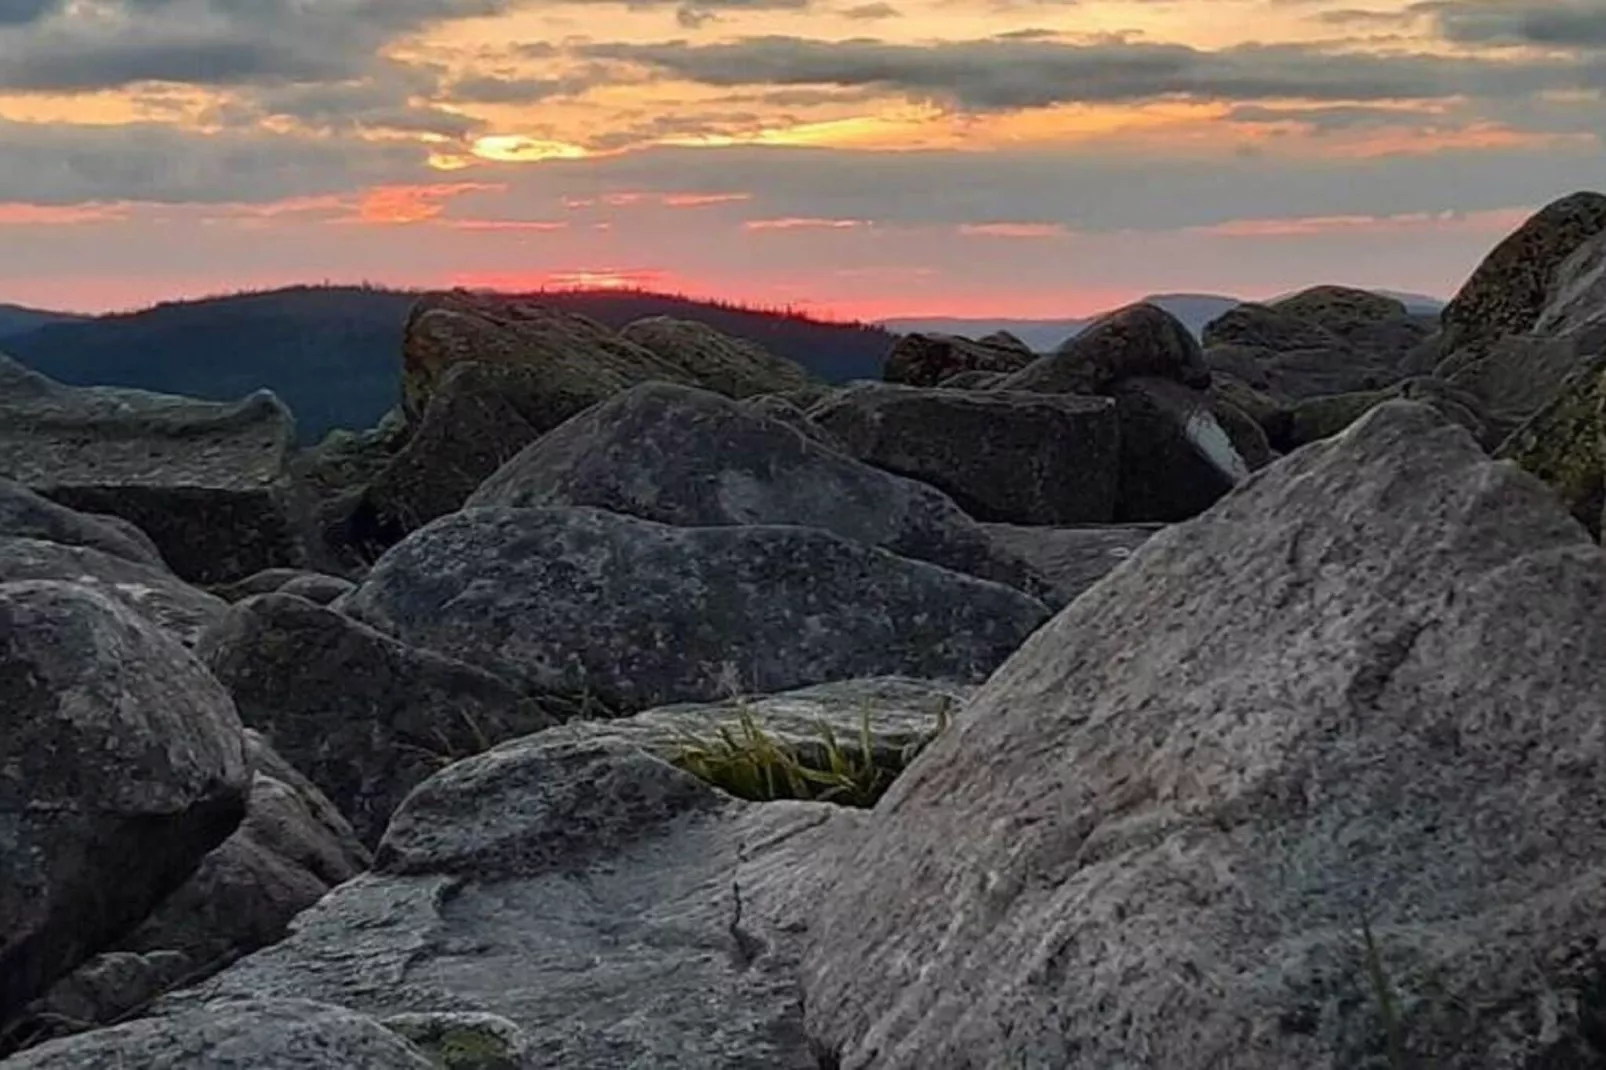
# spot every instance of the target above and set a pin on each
(151, 591)
(976, 380)
(1176, 457)
(1306, 373)
(1577, 299)
(1322, 417)
(636, 613)
(1564, 444)
(572, 361)
(24, 514)
(1140, 340)
(735, 367)
(1512, 377)
(364, 717)
(208, 482)
(684, 456)
(1316, 779)
(613, 909)
(242, 1034)
(1512, 286)
(775, 407)
(1342, 310)
(1267, 327)
(122, 765)
(318, 588)
(1246, 434)
(1244, 363)
(1019, 458)
(928, 359)
(1270, 414)
(1072, 559)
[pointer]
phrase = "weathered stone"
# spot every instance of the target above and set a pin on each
(317, 588)
(1137, 341)
(928, 359)
(684, 456)
(1339, 734)
(1564, 444)
(637, 613)
(1268, 327)
(1511, 287)
(716, 361)
(1577, 298)
(1021, 458)
(122, 765)
(363, 716)
(1271, 414)
(265, 582)
(242, 1034)
(463, 1040)
(778, 408)
(616, 910)
(1308, 373)
(208, 482)
(973, 380)
(1245, 363)
(1072, 559)
(24, 514)
(566, 357)
(1245, 433)
(1513, 377)
(1176, 458)
(1006, 340)
(1322, 417)
(1342, 310)
(103, 989)
(151, 591)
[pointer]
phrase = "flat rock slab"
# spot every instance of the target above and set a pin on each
(208, 481)
(1356, 705)
(617, 911)
(637, 614)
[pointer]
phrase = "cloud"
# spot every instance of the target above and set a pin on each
(23, 12)
(870, 12)
(1565, 24)
(996, 74)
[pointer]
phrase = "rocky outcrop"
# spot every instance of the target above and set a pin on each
(473, 908)
(1306, 779)
(679, 455)
(1564, 444)
(1508, 292)
(634, 613)
(1344, 311)
(242, 1034)
(1576, 308)
(715, 361)
(26, 515)
(1176, 456)
(364, 717)
(1265, 327)
(1140, 340)
(929, 359)
(208, 482)
(1020, 458)
(1322, 417)
(1072, 559)
(122, 765)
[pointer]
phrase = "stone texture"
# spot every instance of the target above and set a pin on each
(1343, 310)
(24, 514)
(1576, 307)
(689, 457)
(364, 717)
(615, 910)
(1176, 458)
(1364, 690)
(121, 766)
(243, 1034)
(1072, 559)
(1564, 444)
(208, 482)
(1511, 287)
(1140, 340)
(317, 588)
(928, 359)
(716, 361)
(1020, 458)
(1278, 330)
(153, 592)
(635, 613)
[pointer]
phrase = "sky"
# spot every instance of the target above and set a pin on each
(856, 158)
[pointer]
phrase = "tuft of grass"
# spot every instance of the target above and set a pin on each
(1387, 1006)
(751, 763)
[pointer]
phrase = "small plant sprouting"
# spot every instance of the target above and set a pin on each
(751, 763)
(1387, 1007)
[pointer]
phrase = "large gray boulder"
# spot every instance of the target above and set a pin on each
(150, 590)
(121, 765)
(26, 515)
(208, 482)
(1177, 455)
(633, 613)
(690, 457)
(611, 907)
(930, 359)
(1136, 341)
(1072, 559)
(1327, 749)
(364, 716)
(735, 367)
(241, 1034)
(1021, 458)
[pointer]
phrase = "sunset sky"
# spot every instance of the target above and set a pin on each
(862, 157)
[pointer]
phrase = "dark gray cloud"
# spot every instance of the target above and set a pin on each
(995, 74)
(22, 12)
(1568, 24)
(871, 11)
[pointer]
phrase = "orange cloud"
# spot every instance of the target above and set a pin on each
(803, 223)
(1013, 230)
(414, 204)
(1497, 221)
(41, 215)
(702, 200)
(577, 279)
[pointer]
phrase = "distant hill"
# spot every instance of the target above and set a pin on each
(333, 353)
(15, 319)
(1194, 310)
